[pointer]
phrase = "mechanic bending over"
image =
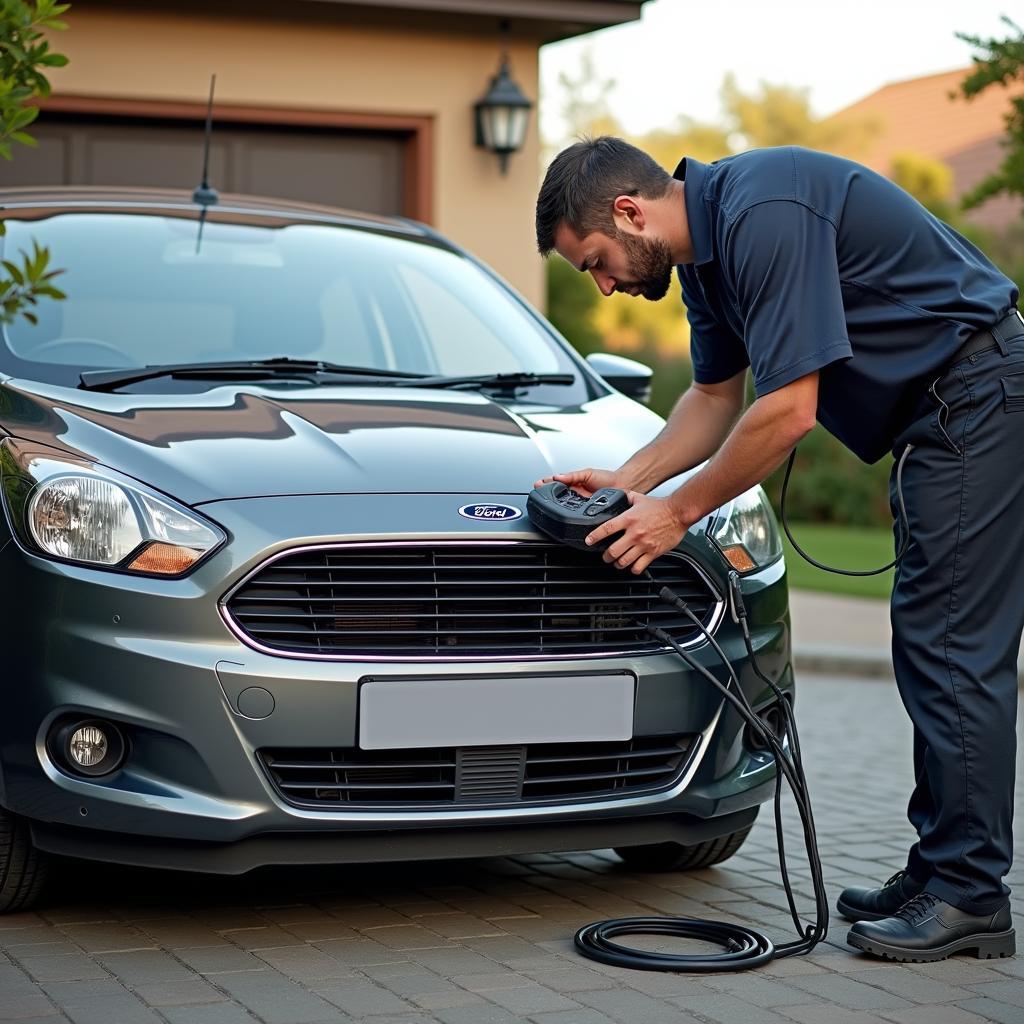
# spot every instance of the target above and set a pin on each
(853, 306)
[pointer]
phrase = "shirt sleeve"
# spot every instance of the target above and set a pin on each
(783, 262)
(715, 351)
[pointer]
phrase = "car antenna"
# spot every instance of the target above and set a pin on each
(203, 194)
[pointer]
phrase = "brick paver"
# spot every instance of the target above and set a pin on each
(490, 942)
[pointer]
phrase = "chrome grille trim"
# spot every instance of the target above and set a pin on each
(715, 609)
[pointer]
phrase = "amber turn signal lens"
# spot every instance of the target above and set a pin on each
(738, 558)
(164, 559)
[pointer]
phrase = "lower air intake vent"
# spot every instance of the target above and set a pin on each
(458, 776)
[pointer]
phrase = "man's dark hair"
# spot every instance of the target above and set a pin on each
(584, 180)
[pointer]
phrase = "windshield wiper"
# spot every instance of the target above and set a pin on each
(105, 380)
(491, 380)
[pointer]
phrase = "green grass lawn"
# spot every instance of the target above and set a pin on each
(848, 547)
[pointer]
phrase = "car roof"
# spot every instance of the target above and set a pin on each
(30, 202)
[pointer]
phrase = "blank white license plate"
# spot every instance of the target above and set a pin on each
(474, 712)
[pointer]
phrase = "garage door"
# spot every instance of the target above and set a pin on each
(360, 170)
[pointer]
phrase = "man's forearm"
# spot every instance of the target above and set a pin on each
(696, 428)
(764, 436)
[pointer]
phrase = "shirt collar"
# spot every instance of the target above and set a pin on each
(694, 173)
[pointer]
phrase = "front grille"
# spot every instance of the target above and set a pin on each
(476, 776)
(462, 601)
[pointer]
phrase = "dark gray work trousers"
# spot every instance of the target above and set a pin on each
(957, 615)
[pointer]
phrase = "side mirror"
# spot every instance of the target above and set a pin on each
(633, 379)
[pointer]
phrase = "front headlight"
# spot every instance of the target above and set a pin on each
(83, 513)
(746, 531)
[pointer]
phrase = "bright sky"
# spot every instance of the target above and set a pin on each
(673, 60)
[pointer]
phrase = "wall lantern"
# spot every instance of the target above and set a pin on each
(502, 114)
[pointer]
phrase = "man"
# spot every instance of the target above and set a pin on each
(853, 306)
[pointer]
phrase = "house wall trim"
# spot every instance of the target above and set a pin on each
(417, 130)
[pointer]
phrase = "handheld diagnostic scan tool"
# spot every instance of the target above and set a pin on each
(567, 516)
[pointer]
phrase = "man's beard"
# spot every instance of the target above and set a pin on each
(650, 264)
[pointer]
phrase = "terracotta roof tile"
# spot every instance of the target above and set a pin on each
(928, 115)
(920, 114)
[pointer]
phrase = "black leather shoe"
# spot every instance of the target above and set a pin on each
(858, 904)
(928, 929)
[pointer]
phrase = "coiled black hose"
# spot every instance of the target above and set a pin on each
(744, 947)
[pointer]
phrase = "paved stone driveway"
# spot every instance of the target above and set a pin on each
(489, 942)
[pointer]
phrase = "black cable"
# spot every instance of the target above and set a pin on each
(745, 947)
(903, 521)
(792, 772)
(740, 614)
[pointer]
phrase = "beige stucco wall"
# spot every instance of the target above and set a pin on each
(334, 66)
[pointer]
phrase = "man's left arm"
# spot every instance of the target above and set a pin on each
(782, 259)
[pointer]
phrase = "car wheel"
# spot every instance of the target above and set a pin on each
(22, 866)
(678, 857)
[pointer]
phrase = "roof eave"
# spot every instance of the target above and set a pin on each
(552, 20)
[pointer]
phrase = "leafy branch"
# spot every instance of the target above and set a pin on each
(1001, 62)
(27, 283)
(23, 54)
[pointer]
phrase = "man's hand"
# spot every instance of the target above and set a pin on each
(585, 481)
(652, 527)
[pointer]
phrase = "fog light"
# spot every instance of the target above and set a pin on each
(773, 720)
(88, 746)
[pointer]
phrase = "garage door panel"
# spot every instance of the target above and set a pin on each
(45, 165)
(361, 170)
(367, 177)
(171, 160)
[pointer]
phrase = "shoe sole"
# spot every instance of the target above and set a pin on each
(986, 947)
(852, 914)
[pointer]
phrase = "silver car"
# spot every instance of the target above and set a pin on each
(269, 594)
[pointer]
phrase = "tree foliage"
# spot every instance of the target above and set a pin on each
(23, 54)
(585, 107)
(770, 115)
(928, 180)
(704, 142)
(1001, 63)
(781, 115)
(572, 299)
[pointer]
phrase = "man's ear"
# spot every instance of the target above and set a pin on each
(629, 214)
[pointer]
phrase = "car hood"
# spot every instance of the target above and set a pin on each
(244, 441)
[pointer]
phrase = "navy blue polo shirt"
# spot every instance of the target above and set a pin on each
(806, 261)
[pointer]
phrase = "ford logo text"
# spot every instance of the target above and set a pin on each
(502, 512)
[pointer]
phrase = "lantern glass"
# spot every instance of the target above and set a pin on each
(485, 122)
(502, 116)
(504, 128)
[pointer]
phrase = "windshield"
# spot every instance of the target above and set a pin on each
(139, 293)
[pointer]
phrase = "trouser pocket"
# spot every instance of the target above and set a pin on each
(1013, 392)
(940, 420)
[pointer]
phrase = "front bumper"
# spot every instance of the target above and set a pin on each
(359, 847)
(155, 657)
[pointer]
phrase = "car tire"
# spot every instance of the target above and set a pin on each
(22, 866)
(679, 857)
